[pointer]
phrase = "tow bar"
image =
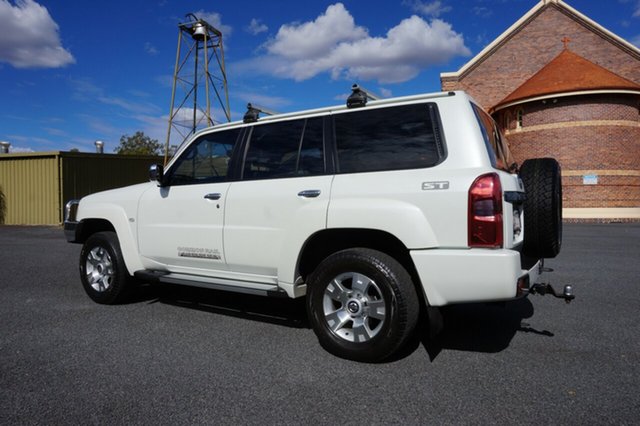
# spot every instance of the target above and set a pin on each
(544, 288)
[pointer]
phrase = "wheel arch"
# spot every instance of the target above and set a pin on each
(128, 244)
(88, 227)
(326, 242)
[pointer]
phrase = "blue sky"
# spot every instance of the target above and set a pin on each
(73, 72)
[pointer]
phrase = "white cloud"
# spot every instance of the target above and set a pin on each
(215, 19)
(30, 37)
(432, 8)
(333, 43)
(150, 49)
(256, 27)
(19, 149)
(636, 12)
(156, 126)
(312, 39)
(385, 93)
(102, 128)
(53, 131)
(83, 89)
(127, 105)
(482, 11)
(263, 100)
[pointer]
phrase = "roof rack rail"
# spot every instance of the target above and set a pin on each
(359, 97)
(253, 113)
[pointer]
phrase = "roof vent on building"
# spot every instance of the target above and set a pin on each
(4, 147)
(359, 97)
(99, 147)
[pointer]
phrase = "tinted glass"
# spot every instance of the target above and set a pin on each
(404, 137)
(285, 149)
(206, 160)
(496, 146)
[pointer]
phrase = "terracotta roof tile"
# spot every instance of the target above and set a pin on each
(568, 72)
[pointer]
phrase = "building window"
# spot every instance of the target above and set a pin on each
(507, 120)
(519, 114)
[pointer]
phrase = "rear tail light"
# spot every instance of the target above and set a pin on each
(485, 212)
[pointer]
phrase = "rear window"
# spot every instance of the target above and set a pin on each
(404, 137)
(496, 146)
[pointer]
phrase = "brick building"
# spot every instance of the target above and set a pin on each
(561, 85)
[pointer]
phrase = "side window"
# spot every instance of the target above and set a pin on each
(285, 149)
(519, 118)
(404, 137)
(206, 160)
(497, 148)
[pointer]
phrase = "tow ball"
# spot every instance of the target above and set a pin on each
(545, 288)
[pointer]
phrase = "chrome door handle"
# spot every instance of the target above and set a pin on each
(309, 193)
(213, 196)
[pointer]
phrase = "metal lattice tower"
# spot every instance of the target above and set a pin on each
(199, 46)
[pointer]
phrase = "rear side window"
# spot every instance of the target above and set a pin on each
(404, 137)
(496, 147)
(285, 149)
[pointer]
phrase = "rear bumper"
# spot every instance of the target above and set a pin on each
(472, 275)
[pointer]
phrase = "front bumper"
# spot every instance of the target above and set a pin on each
(71, 225)
(451, 276)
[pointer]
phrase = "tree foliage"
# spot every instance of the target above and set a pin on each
(138, 144)
(3, 207)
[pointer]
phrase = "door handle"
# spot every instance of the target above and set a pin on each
(309, 193)
(213, 196)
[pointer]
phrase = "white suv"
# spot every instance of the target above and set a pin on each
(373, 211)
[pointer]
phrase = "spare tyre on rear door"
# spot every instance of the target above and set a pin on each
(542, 207)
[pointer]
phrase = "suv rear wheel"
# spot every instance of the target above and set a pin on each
(362, 304)
(542, 207)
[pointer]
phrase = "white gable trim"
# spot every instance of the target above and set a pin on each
(529, 15)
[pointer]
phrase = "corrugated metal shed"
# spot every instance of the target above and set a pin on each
(36, 186)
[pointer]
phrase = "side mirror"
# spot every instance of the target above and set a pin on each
(156, 174)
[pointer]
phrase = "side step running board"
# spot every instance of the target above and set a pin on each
(235, 286)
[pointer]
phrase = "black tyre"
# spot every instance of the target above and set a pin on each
(542, 208)
(102, 270)
(362, 304)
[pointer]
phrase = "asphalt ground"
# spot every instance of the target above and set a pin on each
(184, 356)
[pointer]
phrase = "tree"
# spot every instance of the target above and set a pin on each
(138, 144)
(3, 207)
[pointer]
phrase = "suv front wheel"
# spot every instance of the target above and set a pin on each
(102, 270)
(362, 304)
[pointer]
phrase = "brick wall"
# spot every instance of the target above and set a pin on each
(594, 134)
(611, 191)
(581, 108)
(533, 46)
(587, 135)
(605, 135)
(582, 147)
